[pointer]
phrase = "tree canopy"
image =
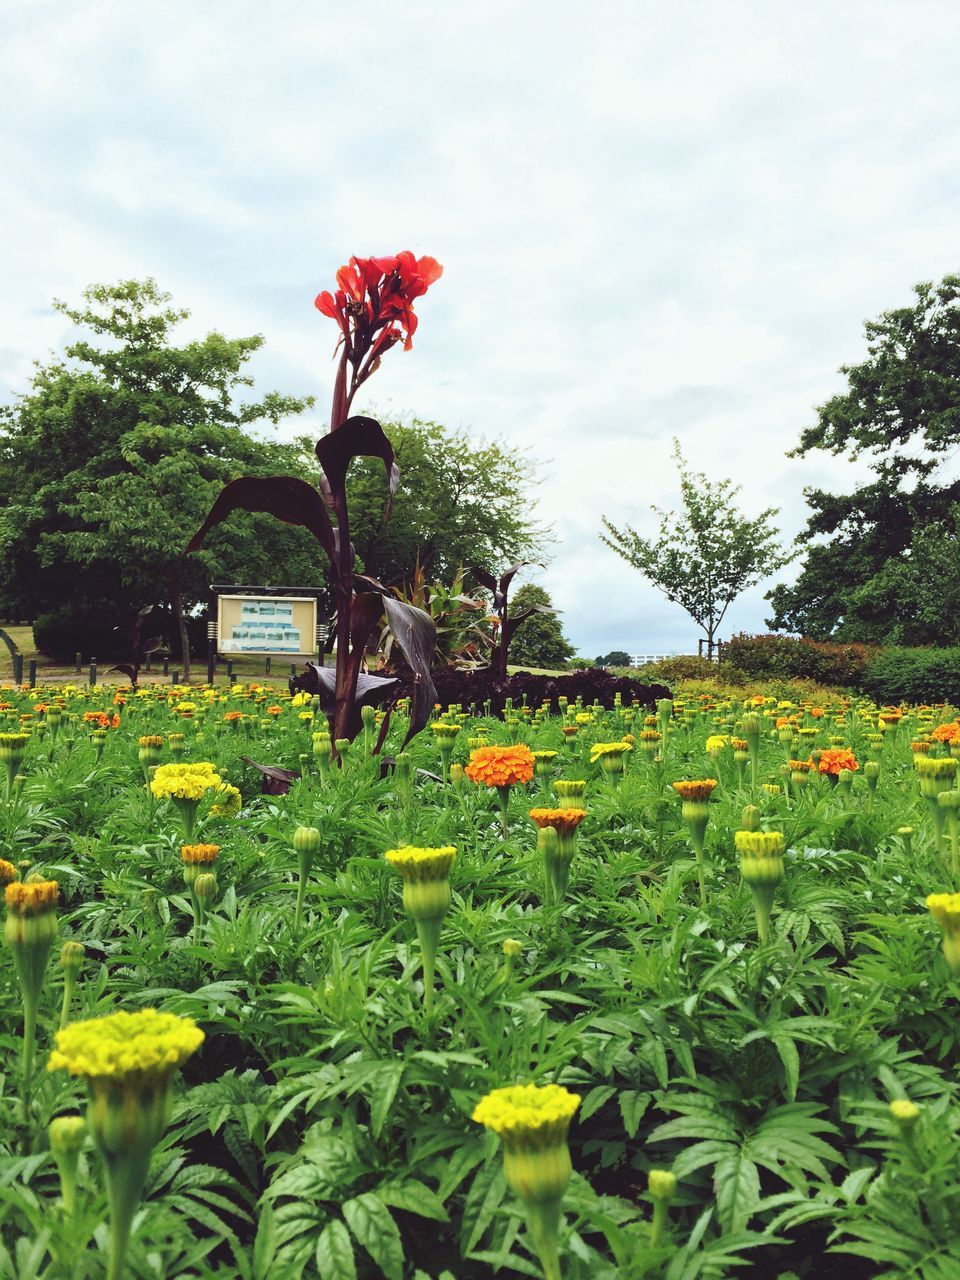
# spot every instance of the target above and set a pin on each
(112, 457)
(880, 562)
(707, 555)
(539, 640)
(460, 501)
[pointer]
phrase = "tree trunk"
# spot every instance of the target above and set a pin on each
(176, 608)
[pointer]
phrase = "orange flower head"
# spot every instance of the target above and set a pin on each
(564, 821)
(31, 897)
(501, 766)
(199, 853)
(832, 761)
(701, 789)
(947, 732)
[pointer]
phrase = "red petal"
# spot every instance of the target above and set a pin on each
(429, 270)
(324, 302)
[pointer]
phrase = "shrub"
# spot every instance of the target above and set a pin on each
(770, 656)
(913, 675)
(63, 632)
(681, 667)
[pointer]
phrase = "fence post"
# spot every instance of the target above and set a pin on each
(175, 678)
(266, 665)
(32, 676)
(166, 666)
(79, 661)
(93, 672)
(293, 669)
(230, 671)
(18, 668)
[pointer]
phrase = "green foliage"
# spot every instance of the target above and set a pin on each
(460, 500)
(615, 658)
(762, 657)
(705, 557)
(881, 562)
(539, 640)
(913, 675)
(110, 460)
(323, 1130)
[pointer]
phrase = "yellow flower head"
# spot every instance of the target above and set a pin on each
(199, 853)
(422, 864)
(716, 742)
(935, 767)
(150, 740)
(544, 757)
(122, 1046)
(904, 1111)
(8, 872)
(600, 749)
(228, 803)
(759, 844)
(31, 897)
(944, 907)
(184, 781)
(528, 1116)
(445, 732)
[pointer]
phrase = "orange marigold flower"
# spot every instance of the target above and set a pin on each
(564, 821)
(234, 715)
(197, 853)
(501, 766)
(31, 897)
(833, 761)
(947, 732)
(274, 710)
(698, 790)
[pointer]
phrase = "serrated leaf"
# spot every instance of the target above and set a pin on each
(736, 1185)
(413, 1197)
(632, 1108)
(373, 1226)
(335, 1260)
(791, 1064)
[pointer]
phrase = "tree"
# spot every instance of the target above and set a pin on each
(459, 500)
(707, 556)
(539, 641)
(110, 459)
(615, 658)
(875, 558)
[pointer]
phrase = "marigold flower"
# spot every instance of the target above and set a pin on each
(31, 897)
(199, 853)
(564, 821)
(544, 757)
(700, 790)
(426, 897)
(229, 802)
(601, 749)
(8, 872)
(126, 1046)
(184, 781)
(501, 766)
(716, 742)
(151, 740)
(832, 761)
(528, 1117)
(418, 864)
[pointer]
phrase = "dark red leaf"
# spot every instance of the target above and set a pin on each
(286, 497)
(416, 635)
(356, 437)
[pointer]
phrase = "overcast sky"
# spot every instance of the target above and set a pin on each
(655, 220)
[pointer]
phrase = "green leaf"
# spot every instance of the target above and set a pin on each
(632, 1107)
(372, 1224)
(265, 1243)
(790, 1058)
(385, 1083)
(335, 1260)
(736, 1184)
(414, 1197)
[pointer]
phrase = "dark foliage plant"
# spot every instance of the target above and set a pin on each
(373, 308)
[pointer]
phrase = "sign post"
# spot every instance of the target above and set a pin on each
(266, 622)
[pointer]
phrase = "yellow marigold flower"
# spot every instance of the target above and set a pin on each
(701, 789)
(229, 802)
(583, 717)
(771, 788)
(649, 735)
(528, 1117)
(150, 740)
(199, 853)
(935, 767)
(31, 897)
(13, 741)
(716, 742)
(564, 821)
(184, 781)
(445, 730)
(801, 766)
(944, 907)
(544, 757)
(501, 766)
(422, 864)
(600, 749)
(8, 872)
(142, 1046)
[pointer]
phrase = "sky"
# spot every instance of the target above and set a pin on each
(655, 221)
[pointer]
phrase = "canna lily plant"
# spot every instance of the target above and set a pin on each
(373, 309)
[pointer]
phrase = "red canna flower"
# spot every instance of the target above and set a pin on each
(373, 308)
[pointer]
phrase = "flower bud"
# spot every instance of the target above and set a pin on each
(512, 948)
(72, 955)
(205, 886)
(750, 818)
(307, 841)
(662, 1184)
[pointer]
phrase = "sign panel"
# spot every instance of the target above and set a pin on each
(274, 626)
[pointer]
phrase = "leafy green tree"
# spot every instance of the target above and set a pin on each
(459, 501)
(880, 562)
(706, 556)
(615, 658)
(112, 457)
(539, 640)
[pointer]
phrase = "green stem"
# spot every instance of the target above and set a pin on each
(69, 985)
(126, 1178)
(659, 1225)
(544, 1223)
(428, 931)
